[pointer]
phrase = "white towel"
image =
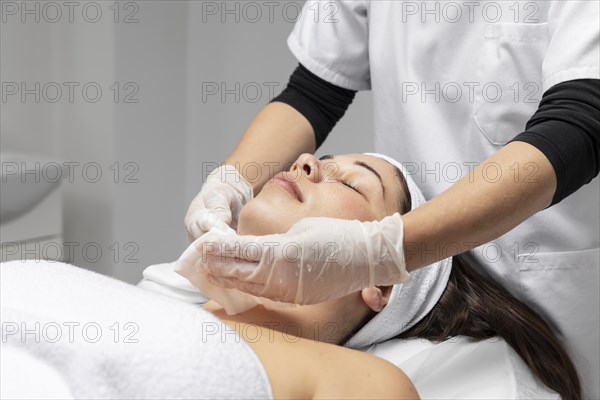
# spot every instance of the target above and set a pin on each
(163, 279)
(125, 342)
(410, 302)
(17, 368)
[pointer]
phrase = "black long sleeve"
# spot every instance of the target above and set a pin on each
(321, 102)
(566, 128)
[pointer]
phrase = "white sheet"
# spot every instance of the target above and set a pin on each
(461, 369)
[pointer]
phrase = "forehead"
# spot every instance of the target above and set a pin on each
(389, 176)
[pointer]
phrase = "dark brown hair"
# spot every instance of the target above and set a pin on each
(479, 308)
(405, 199)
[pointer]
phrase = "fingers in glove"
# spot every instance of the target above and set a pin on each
(229, 268)
(220, 207)
(255, 289)
(201, 222)
(227, 245)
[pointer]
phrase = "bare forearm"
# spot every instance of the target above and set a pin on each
(505, 190)
(274, 139)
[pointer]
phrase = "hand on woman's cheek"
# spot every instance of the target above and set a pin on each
(353, 194)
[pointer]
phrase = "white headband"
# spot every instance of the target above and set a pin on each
(410, 302)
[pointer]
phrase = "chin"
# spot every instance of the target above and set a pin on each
(261, 218)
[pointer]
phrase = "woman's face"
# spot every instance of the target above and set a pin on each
(353, 186)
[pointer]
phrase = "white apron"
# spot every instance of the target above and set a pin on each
(452, 83)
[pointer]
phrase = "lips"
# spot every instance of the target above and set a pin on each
(288, 185)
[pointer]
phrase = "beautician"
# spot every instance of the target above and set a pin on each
(494, 107)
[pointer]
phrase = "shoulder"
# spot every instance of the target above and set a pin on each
(303, 368)
(352, 373)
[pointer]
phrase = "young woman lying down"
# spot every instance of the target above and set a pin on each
(186, 352)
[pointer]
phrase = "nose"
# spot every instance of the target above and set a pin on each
(309, 165)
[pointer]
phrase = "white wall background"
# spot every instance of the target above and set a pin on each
(165, 140)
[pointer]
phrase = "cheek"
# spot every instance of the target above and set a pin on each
(272, 212)
(265, 215)
(339, 204)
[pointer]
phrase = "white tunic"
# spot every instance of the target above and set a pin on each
(454, 81)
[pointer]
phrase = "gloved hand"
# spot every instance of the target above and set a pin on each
(318, 259)
(219, 202)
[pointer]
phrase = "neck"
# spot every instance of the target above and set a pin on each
(330, 322)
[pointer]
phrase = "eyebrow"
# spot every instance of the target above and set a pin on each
(360, 164)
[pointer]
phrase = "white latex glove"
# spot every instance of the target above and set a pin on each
(233, 301)
(318, 259)
(219, 202)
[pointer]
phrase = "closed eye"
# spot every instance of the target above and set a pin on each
(350, 186)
